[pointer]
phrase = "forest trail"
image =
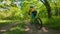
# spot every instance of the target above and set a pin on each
(8, 27)
(50, 31)
(44, 30)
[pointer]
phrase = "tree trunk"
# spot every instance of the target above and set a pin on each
(47, 7)
(56, 9)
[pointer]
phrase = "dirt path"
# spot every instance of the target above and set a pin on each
(44, 30)
(7, 27)
(50, 31)
(29, 30)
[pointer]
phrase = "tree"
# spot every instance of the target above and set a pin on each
(57, 6)
(46, 3)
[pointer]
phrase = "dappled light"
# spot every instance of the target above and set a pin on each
(29, 16)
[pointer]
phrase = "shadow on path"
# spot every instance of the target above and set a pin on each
(44, 30)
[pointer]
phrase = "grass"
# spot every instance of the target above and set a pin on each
(5, 22)
(53, 23)
(19, 29)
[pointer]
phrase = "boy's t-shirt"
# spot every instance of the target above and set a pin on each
(33, 14)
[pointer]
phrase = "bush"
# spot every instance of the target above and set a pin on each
(53, 23)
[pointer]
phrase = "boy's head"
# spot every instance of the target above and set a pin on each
(32, 6)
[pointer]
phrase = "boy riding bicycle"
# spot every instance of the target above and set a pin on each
(32, 13)
(34, 19)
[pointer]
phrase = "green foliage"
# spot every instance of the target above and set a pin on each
(16, 13)
(53, 23)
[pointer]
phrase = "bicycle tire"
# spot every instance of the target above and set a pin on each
(38, 23)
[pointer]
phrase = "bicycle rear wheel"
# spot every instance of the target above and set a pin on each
(38, 23)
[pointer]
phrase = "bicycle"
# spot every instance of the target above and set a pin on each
(37, 23)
